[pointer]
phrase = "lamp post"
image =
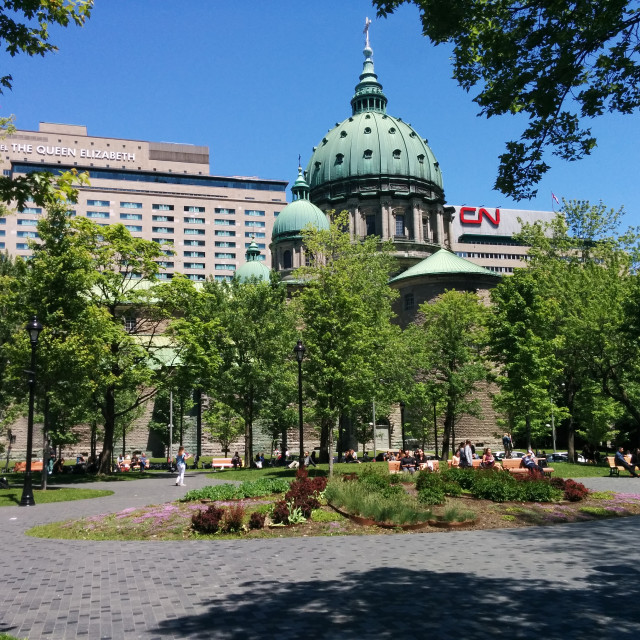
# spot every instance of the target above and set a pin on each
(402, 405)
(299, 351)
(33, 328)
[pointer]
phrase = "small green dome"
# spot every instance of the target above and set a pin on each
(253, 267)
(299, 213)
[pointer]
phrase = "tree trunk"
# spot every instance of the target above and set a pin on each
(45, 442)
(109, 415)
(325, 432)
(527, 421)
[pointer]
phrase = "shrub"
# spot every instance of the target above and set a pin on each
(557, 483)
(497, 487)
(248, 489)
(574, 491)
(452, 489)
(431, 495)
(232, 519)
(207, 521)
(280, 513)
(455, 514)
(466, 478)
(425, 479)
(531, 488)
(256, 520)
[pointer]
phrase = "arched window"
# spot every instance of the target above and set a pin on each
(368, 154)
(287, 262)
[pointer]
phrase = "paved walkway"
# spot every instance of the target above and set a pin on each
(566, 581)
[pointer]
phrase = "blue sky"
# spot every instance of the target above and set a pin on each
(261, 82)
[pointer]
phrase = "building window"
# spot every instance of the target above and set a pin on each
(260, 245)
(194, 220)
(136, 228)
(36, 210)
(221, 210)
(194, 232)
(166, 264)
(98, 214)
(25, 234)
(164, 276)
(397, 153)
(287, 260)
(223, 278)
(129, 216)
(4, 233)
(194, 243)
(98, 203)
(131, 205)
(225, 267)
(225, 223)
(409, 302)
(162, 207)
(162, 230)
(195, 276)
(28, 223)
(3, 221)
(1, 245)
(254, 212)
(367, 130)
(225, 244)
(371, 225)
(255, 223)
(160, 218)
(194, 209)
(194, 254)
(194, 265)
(225, 233)
(254, 234)
(162, 240)
(22, 246)
(400, 225)
(226, 256)
(368, 154)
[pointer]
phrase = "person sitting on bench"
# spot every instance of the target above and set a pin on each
(621, 462)
(529, 462)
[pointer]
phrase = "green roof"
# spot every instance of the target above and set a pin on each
(253, 268)
(444, 262)
(299, 213)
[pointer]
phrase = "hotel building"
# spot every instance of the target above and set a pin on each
(160, 191)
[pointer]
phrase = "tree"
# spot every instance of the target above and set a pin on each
(224, 424)
(524, 347)
(449, 354)
(587, 267)
(24, 25)
(345, 314)
(556, 63)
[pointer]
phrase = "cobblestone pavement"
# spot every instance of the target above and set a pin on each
(566, 581)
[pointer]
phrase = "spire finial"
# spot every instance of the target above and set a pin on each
(367, 22)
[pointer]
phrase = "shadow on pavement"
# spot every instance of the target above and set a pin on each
(380, 603)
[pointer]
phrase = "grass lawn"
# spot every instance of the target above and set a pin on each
(11, 497)
(571, 470)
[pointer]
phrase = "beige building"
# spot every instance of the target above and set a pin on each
(484, 235)
(160, 191)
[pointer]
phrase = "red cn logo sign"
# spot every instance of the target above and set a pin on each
(474, 215)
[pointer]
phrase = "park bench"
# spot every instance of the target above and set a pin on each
(21, 467)
(222, 463)
(435, 465)
(614, 470)
(394, 466)
(512, 465)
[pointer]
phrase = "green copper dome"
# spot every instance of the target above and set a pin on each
(373, 144)
(299, 213)
(253, 267)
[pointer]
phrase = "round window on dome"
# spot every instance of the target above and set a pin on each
(367, 129)
(421, 158)
(368, 154)
(343, 134)
(397, 153)
(339, 158)
(392, 130)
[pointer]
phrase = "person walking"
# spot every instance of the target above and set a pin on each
(181, 464)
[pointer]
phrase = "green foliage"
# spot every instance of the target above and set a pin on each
(223, 423)
(456, 514)
(249, 489)
(448, 356)
(553, 63)
(358, 499)
(431, 494)
(345, 312)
